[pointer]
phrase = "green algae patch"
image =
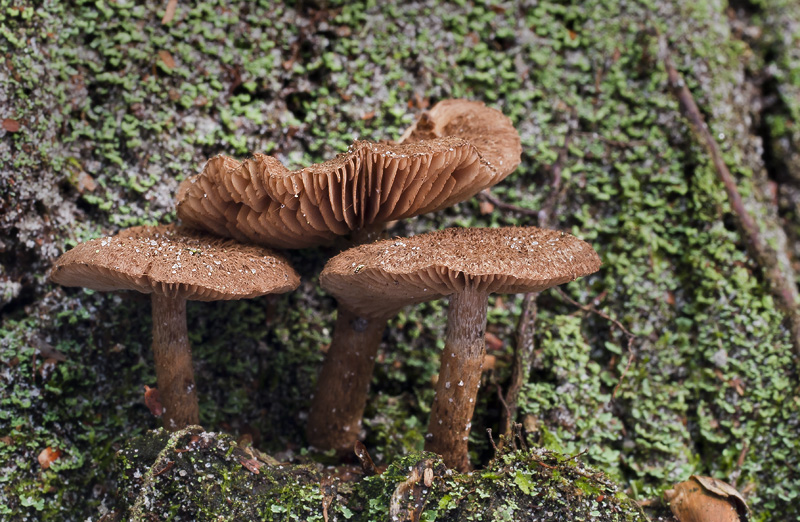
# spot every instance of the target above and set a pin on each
(196, 475)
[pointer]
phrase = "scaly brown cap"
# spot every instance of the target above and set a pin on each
(262, 201)
(177, 262)
(378, 279)
(489, 130)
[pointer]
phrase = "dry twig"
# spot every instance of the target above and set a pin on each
(486, 195)
(523, 358)
(783, 288)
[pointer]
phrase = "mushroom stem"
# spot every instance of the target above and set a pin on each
(459, 378)
(173, 358)
(341, 394)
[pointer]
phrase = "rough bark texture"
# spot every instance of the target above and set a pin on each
(107, 108)
(459, 379)
(173, 358)
(334, 421)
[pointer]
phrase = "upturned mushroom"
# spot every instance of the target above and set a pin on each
(487, 129)
(174, 265)
(261, 201)
(376, 280)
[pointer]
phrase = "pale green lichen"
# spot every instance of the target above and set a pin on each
(712, 379)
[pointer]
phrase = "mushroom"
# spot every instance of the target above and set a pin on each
(372, 282)
(487, 129)
(174, 265)
(261, 201)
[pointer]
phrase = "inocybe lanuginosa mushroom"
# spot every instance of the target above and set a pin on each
(174, 265)
(378, 279)
(261, 201)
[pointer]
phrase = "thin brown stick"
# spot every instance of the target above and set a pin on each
(502, 205)
(579, 454)
(783, 287)
(523, 358)
(491, 440)
(507, 411)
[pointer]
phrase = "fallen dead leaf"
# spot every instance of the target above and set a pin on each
(168, 466)
(48, 456)
(252, 464)
(169, 14)
(167, 58)
(366, 461)
(704, 499)
(11, 125)
(493, 342)
(85, 182)
(152, 402)
(47, 367)
(409, 498)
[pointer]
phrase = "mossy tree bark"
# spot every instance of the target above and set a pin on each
(338, 405)
(173, 358)
(459, 379)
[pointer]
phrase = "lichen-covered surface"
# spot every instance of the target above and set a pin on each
(196, 475)
(108, 109)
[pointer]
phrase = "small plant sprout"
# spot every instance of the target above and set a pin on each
(467, 265)
(174, 265)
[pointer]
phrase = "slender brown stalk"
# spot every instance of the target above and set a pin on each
(459, 379)
(523, 357)
(173, 358)
(338, 404)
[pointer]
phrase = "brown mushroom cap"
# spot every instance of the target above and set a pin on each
(489, 130)
(262, 201)
(177, 262)
(380, 278)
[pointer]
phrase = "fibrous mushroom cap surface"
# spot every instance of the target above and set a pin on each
(175, 261)
(380, 278)
(261, 201)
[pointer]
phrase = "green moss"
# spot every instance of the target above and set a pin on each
(201, 476)
(711, 380)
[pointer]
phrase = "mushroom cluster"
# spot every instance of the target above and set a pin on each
(375, 281)
(451, 153)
